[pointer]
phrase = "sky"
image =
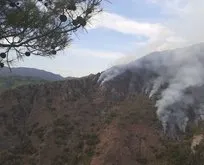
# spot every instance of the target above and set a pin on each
(125, 31)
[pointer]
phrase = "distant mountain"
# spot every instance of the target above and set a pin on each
(11, 82)
(30, 72)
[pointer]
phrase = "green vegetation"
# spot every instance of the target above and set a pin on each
(71, 140)
(110, 117)
(139, 110)
(8, 158)
(80, 151)
(62, 130)
(180, 153)
(43, 31)
(78, 146)
(12, 82)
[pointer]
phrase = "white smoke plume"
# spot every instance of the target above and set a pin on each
(181, 69)
(186, 71)
(157, 84)
(111, 73)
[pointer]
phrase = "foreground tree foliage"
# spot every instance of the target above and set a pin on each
(41, 27)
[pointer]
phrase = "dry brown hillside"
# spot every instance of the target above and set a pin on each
(78, 122)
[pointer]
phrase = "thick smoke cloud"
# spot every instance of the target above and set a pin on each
(188, 73)
(181, 69)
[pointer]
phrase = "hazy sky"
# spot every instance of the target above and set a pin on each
(126, 30)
